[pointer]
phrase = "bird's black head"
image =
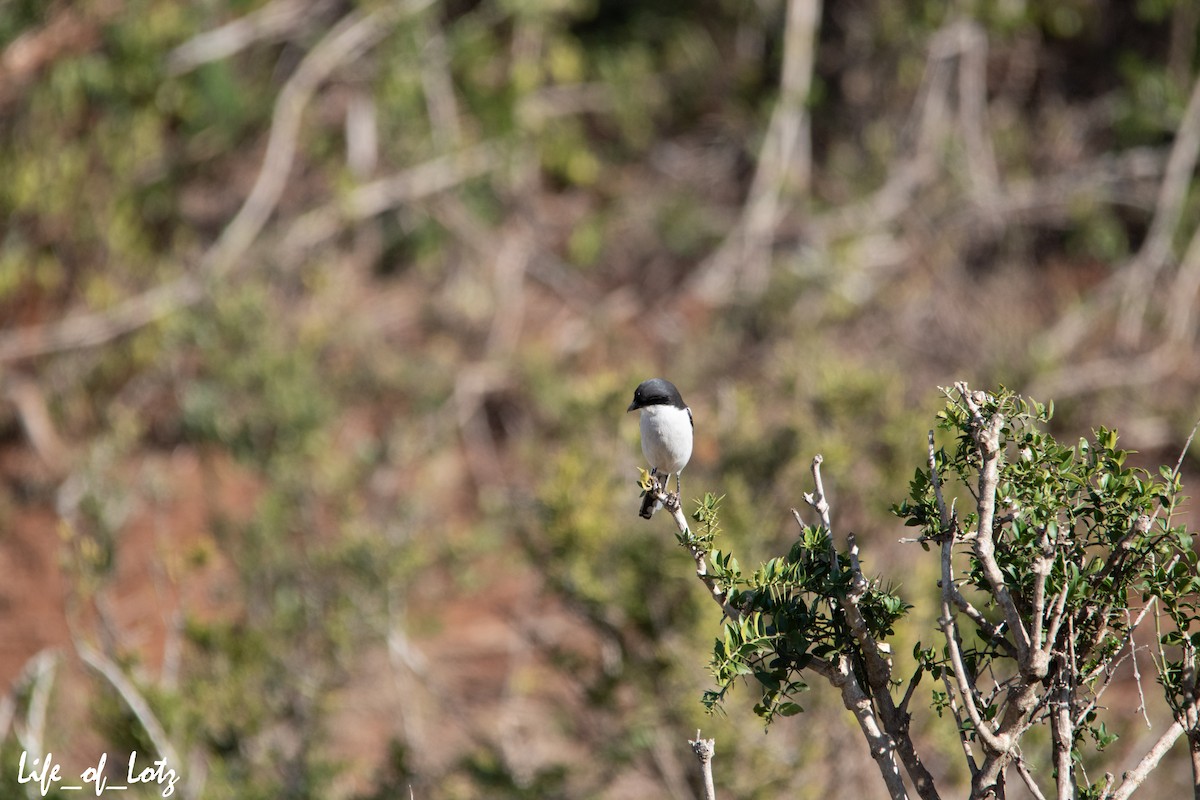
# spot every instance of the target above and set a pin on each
(655, 392)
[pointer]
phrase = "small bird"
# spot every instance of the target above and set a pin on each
(666, 433)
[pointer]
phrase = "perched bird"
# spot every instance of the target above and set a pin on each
(666, 433)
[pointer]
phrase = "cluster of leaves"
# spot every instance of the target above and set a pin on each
(792, 613)
(1099, 530)
(1086, 546)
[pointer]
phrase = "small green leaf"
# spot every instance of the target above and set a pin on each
(788, 709)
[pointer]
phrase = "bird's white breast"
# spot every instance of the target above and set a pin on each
(666, 437)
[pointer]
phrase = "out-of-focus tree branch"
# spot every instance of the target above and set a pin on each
(784, 169)
(278, 20)
(354, 33)
(1140, 274)
(134, 700)
(1127, 293)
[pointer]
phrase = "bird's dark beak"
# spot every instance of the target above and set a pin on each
(632, 407)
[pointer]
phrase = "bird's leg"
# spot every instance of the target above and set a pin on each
(676, 500)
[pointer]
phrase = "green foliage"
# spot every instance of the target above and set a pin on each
(1082, 542)
(263, 400)
(1099, 530)
(791, 613)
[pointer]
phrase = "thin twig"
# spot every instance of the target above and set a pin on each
(965, 682)
(699, 555)
(817, 501)
(353, 34)
(1027, 778)
(29, 401)
(963, 738)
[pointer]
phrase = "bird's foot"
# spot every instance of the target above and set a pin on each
(672, 502)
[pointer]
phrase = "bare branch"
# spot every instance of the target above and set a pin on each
(1062, 732)
(91, 329)
(878, 663)
(1042, 567)
(879, 667)
(816, 499)
(354, 33)
(929, 122)
(882, 746)
(1128, 289)
(948, 531)
(1030, 784)
(704, 750)
(964, 682)
(1131, 780)
(959, 724)
(1110, 668)
(987, 438)
(993, 632)
(1183, 454)
(362, 134)
(935, 478)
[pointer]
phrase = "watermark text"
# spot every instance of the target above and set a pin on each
(48, 775)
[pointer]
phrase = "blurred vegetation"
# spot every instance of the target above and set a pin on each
(408, 419)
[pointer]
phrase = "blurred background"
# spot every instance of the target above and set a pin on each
(318, 320)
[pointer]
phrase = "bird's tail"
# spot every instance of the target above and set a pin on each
(649, 504)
